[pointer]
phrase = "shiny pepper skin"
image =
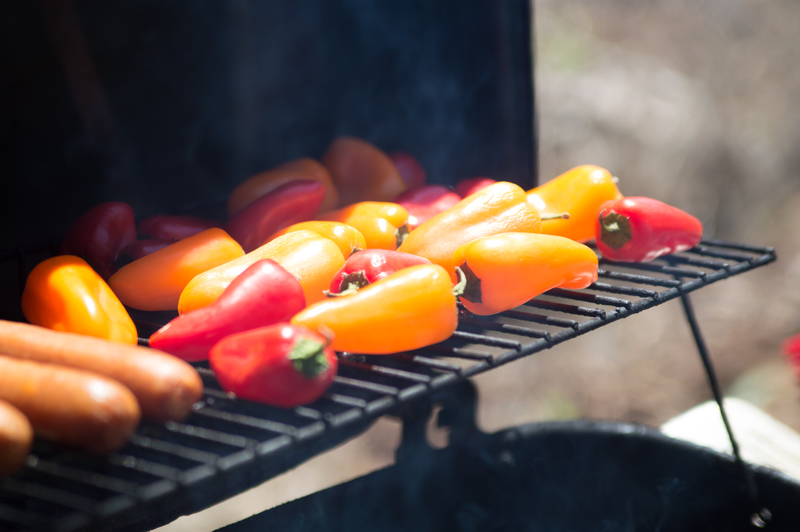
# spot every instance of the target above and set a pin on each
(292, 202)
(155, 281)
(264, 294)
(507, 270)
(265, 182)
(383, 224)
(425, 202)
(312, 258)
(407, 310)
(64, 293)
(282, 365)
(578, 192)
(348, 238)
(498, 208)
(370, 265)
(637, 229)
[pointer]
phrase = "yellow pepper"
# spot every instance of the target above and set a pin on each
(312, 258)
(347, 237)
(383, 224)
(498, 208)
(506, 270)
(409, 309)
(64, 293)
(578, 192)
(155, 281)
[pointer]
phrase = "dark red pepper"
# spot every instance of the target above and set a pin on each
(425, 202)
(282, 365)
(264, 294)
(412, 172)
(100, 234)
(173, 227)
(370, 265)
(291, 203)
(638, 229)
(468, 187)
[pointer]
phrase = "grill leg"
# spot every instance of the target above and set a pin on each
(760, 515)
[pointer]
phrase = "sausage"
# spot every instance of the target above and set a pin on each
(16, 438)
(165, 386)
(70, 406)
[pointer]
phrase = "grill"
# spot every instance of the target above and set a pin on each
(228, 445)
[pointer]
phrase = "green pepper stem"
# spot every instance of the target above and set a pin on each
(308, 358)
(459, 288)
(562, 216)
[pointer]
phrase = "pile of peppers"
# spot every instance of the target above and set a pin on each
(355, 253)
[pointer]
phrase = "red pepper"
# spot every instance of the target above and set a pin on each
(282, 365)
(169, 227)
(140, 248)
(791, 348)
(425, 202)
(637, 229)
(264, 294)
(100, 234)
(370, 265)
(468, 187)
(410, 169)
(293, 202)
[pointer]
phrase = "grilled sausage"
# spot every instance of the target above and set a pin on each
(16, 438)
(70, 406)
(165, 386)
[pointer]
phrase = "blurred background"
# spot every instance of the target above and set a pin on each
(691, 102)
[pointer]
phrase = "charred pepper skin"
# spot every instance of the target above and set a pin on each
(639, 229)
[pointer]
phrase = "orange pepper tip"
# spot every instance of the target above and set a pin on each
(561, 216)
(401, 234)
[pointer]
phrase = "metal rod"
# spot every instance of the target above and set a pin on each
(760, 515)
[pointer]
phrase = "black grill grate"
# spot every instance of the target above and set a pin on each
(227, 445)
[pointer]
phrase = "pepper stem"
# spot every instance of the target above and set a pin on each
(461, 286)
(308, 358)
(401, 234)
(615, 229)
(562, 216)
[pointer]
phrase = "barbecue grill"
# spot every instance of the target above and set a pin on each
(228, 445)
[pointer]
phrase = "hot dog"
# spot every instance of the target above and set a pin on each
(16, 438)
(165, 386)
(70, 406)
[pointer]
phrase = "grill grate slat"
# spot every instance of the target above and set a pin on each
(227, 445)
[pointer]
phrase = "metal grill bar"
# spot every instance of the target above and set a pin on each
(227, 445)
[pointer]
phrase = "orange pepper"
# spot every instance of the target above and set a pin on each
(265, 182)
(498, 208)
(362, 172)
(383, 224)
(506, 270)
(155, 281)
(64, 293)
(312, 258)
(578, 192)
(347, 237)
(409, 309)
